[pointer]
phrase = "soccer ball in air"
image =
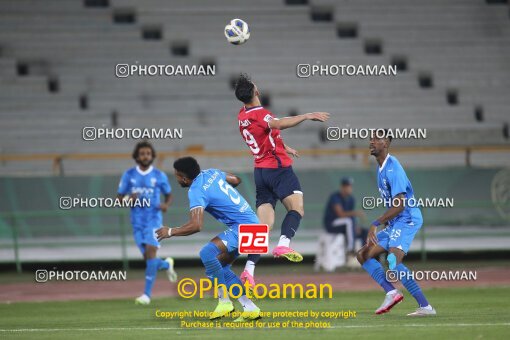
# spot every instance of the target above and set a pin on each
(237, 32)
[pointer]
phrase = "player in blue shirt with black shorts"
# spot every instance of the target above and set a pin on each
(146, 182)
(401, 222)
(212, 190)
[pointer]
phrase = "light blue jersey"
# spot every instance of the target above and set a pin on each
(392, 180)
(211, 191)
(149, 185)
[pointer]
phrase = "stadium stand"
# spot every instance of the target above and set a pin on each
(57, 74)
(57, 61)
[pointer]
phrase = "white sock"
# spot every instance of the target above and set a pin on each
(222, 298)
(247, 304)
(429, 307)
(284, 241)
(250, 267)
(391, 292)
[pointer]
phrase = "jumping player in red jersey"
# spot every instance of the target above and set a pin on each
(274, 177)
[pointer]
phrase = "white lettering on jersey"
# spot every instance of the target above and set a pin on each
(142, 191)
(210, 180)
(251, 142)
(244, 123)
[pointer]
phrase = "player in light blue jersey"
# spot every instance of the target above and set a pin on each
(212, 190)
(144, 182)
(402, 222)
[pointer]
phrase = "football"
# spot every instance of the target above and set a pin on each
(237, 32)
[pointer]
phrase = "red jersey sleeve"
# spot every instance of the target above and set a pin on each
(263, 117)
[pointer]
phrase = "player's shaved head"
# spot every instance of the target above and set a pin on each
(186, 170)
(388, 135)
(245, 89)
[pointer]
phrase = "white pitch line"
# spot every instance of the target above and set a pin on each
(185, 329)
(427, 325)
(95, 329)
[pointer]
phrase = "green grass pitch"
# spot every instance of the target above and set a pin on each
(467, 313)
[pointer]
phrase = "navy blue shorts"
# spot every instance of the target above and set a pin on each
(275, 184)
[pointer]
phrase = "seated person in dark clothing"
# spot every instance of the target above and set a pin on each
(340, 214)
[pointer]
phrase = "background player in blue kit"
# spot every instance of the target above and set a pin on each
(146, 182)
(402, 223)
(213, 190)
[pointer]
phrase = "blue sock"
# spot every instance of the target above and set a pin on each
(213, 268)
(231, 278)
(376, 271)
(290, 223)
(411, 285)
(392, 261)
(150, 275)
(254, 258)
(163, 265)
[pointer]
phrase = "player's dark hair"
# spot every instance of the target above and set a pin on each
(387, 133)
(245, 89)
(141, 145)
(188, 166)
